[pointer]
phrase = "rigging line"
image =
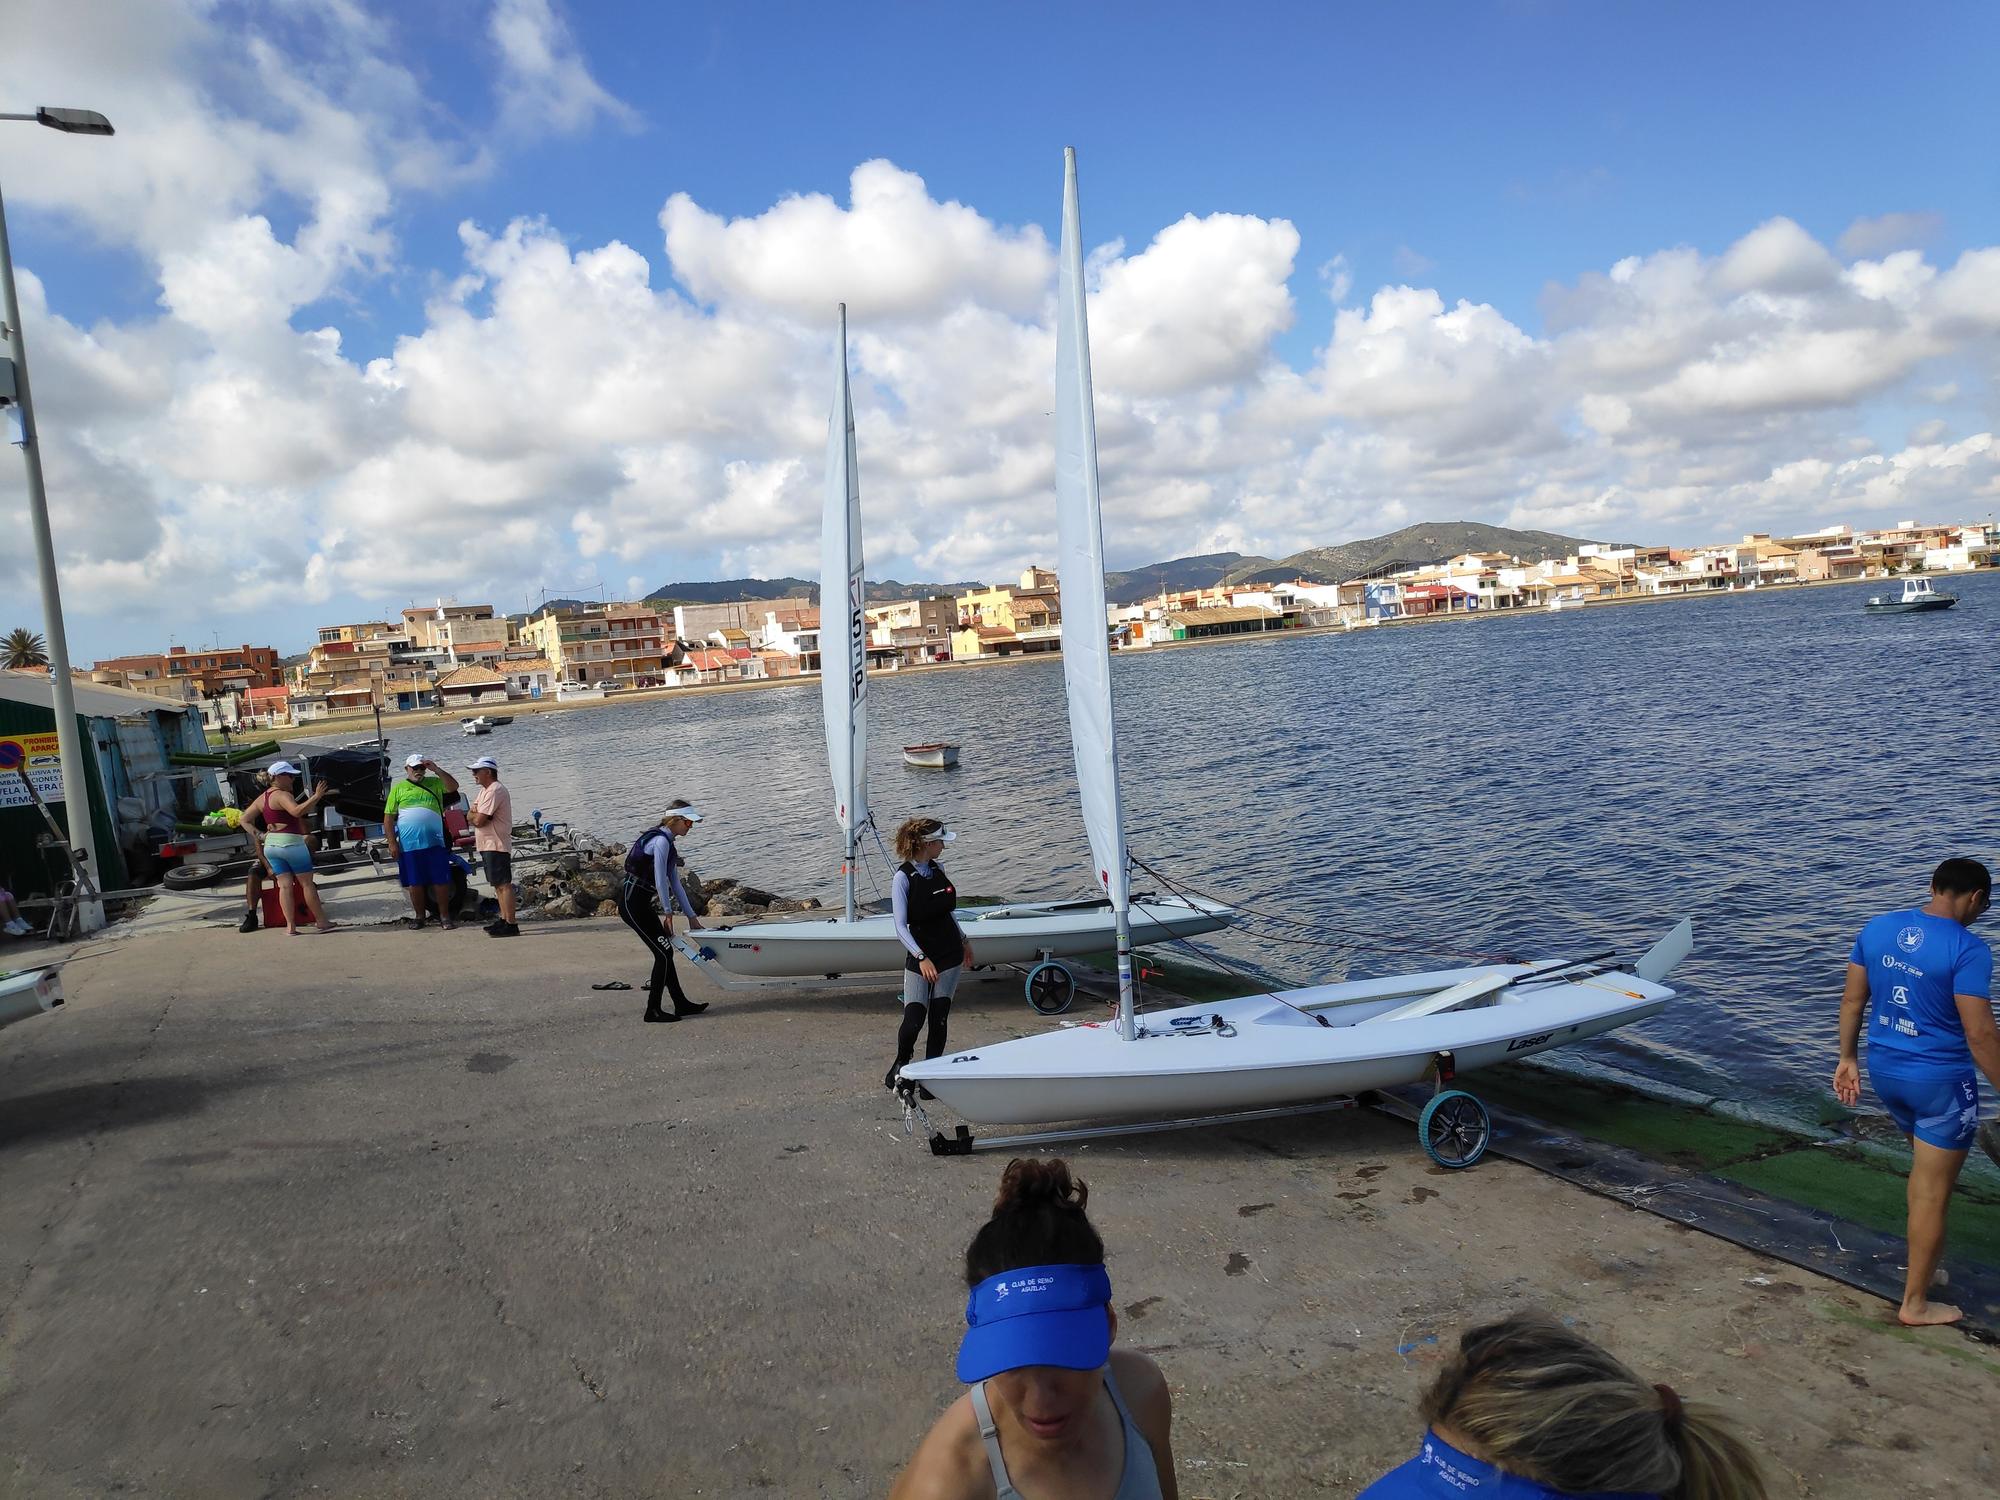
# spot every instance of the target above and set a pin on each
(1377, 940)
(1259, 984)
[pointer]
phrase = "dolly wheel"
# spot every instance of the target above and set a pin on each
(1455, 1129)
(1050, 987)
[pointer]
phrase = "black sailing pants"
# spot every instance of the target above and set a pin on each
(635, 905)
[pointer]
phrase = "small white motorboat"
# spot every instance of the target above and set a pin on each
(1917, 597)
(475, 726)
(933, 757)
(1565, 601)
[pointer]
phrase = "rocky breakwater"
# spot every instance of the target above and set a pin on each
(585, 884)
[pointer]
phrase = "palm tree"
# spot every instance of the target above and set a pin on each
(21, 647)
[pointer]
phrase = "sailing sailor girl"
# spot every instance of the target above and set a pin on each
(936, 949)
(1051, 1407)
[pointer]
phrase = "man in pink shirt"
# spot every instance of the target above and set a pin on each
(492, 815)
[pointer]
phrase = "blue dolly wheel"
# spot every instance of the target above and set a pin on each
(1455, 1129)
(1050, 988)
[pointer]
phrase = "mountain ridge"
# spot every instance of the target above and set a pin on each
(1411, 546)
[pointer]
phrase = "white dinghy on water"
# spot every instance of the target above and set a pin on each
(1288, 1048)
(858, 943)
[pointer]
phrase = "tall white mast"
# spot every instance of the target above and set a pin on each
(843, 624)
(1086, 644)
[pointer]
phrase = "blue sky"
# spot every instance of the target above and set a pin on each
(1484, 153)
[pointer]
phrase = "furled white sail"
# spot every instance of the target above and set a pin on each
(843, 626)
(1086, 645)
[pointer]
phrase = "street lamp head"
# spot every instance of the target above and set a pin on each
(73, 121)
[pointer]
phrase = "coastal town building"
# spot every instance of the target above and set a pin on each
(602, 645)
(696, 622)
(916, 631)
(1030, 611)
(792, 633)
(181, 675)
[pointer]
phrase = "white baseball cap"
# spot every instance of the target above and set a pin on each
(484, 763)
(281, 768)
(412, 761)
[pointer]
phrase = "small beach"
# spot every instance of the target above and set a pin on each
(392, 1213)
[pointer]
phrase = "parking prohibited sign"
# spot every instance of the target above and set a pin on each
(38, 755)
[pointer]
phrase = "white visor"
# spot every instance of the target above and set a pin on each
(942, 836)
(683, 812)
(281, 768)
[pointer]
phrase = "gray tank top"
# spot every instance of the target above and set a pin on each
(1139, 1481)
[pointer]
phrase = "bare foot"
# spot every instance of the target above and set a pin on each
(328, 926)
(291, 932)
(1927, 1314)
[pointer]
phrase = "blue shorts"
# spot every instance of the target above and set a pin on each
(288, 859)
(1939, 1111)
(424, 867)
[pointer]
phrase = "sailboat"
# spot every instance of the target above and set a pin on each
(1290, 1047)
(861, 943)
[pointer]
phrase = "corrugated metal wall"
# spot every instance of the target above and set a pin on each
(23, 870)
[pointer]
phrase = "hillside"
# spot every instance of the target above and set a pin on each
(1203, 571)
(1426, 542)
(743, 590)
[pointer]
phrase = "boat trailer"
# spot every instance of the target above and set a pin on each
(1453, 1127)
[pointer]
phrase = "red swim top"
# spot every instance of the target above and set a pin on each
(276, 821)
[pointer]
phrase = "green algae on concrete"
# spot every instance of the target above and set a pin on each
(1653, 1127)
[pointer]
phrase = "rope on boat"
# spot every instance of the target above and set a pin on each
(1352, 939)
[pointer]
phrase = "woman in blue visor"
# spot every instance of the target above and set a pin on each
(1053, 1409)
(1531, 1410)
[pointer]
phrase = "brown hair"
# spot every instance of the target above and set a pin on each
(910, 841)
(1038, 1219)
(1542, 1401)
(678, 802)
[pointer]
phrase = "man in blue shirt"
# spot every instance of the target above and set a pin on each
(1925, 984)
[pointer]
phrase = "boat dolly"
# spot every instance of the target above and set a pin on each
(1050, 984)
(1453, 1127)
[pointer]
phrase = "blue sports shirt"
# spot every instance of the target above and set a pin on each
(1916, 963)
(1441, 1472)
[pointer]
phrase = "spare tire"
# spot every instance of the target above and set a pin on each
(191, 877)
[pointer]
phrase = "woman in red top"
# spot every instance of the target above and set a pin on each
(282, 844)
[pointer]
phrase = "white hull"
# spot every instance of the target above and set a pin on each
(930, 757)
(1276, 1055)
(1014, 934)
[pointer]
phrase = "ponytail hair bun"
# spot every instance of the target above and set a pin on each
(1038, 1220)
(1029, 1183)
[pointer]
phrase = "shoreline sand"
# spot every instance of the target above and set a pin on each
(391, 1213)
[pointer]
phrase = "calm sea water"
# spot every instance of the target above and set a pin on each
(1774, 764)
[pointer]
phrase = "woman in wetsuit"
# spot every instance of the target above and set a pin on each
(1052, 1408)
(936, 949)
(647, 899)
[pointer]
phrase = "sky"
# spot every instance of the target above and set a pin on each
(368, 305)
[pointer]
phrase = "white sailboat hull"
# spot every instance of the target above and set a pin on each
(1276, 1055)
(1013, 934)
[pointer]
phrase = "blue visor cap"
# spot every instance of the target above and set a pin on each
(1037, 1315)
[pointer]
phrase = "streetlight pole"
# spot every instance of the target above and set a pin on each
(76, 789)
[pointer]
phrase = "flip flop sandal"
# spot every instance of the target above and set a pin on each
(616, 984)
